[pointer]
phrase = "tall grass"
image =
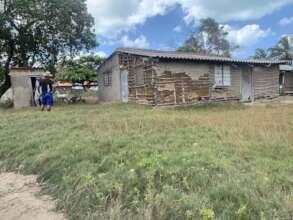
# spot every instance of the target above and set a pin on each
(134, 162)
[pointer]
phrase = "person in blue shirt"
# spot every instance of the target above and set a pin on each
(47, 92)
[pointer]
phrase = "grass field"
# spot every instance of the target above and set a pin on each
(134, 162)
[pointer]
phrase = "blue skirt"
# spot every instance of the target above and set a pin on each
(47, 99)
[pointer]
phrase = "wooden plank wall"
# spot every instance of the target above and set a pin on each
(265, 82)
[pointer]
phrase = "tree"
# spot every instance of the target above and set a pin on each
(79, 70)
(261, 54)
(42, 31)
(211, 38)
(283, 49)
(192, 44)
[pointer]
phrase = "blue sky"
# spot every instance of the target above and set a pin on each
(166, 24)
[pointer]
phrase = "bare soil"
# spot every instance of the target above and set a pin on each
(20, 199)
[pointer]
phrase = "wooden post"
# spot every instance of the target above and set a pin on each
(175, 98)
(154, 85)
(183, 92)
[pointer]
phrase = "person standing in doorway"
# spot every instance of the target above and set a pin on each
(47, 91)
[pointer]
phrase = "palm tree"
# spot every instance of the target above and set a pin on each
(283, 49)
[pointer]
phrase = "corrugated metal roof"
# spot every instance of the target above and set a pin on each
(175, 55)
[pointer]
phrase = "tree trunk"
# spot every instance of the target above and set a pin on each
(5, 86)
(7, 83)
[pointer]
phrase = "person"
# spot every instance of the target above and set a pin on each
(47, 91)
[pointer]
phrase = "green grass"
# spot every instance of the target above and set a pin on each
(134, 162)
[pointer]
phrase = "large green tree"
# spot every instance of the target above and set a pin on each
(79, 70)
(42, 31)
(210, 38)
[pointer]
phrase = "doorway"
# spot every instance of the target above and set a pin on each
(246, 85)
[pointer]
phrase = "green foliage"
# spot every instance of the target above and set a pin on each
(134, 162)
(283, 50)
(79, 70)
(261, 54)
(192, 44)
(211, 38)
(43, 31)
(2, 74)
(6, 104)
(207, 214)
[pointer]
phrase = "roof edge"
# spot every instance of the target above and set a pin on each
(177, 55)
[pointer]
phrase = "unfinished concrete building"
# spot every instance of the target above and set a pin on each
(177, 78)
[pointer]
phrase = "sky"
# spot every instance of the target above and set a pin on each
(166, 24)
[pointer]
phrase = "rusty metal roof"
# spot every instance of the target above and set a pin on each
(176, 55)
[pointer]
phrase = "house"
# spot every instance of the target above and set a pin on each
(177, 78)
(23, 84)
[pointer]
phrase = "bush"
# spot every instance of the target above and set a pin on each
(6, 104)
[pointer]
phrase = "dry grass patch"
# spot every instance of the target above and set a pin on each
(223, 161)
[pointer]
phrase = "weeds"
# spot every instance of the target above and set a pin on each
(134, 162)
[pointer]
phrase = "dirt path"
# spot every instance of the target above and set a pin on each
(20, 199)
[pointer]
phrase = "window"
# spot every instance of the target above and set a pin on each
(108, 79)
(222, 76)
(140, 75)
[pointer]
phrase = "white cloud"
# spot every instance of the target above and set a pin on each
(228, 10)
(177, 29)
(286, 21)
(140, 42)
(101, 54)
(246, 36)
(115, 16)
